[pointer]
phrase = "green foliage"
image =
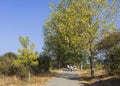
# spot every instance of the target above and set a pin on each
(53, 64)
(86, 66)
(6, 63)
(111, 45)
(74, 26)
(43, 64)
(113, 61)
(27, 55)
(20, 71)
(8, 68)
(67, 31)
(98, 64)
(111, 40)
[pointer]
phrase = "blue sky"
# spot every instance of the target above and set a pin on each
(22, 18)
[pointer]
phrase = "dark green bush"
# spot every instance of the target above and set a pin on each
(43, 64)
(112, 62)
(110, 45)
(53, 64)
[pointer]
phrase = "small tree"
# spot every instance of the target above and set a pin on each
(27, 56)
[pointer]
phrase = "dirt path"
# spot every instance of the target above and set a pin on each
(65, 79)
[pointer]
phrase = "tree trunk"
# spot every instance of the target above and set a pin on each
(58, 62)
(3, 77)
(91, 58)
(29, 76)
(81, 65)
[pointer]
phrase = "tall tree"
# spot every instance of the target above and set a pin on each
(26, 55)
(73, 28)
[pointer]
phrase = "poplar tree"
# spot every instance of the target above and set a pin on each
(74, 25)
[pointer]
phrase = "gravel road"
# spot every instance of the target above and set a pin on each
(65, 79)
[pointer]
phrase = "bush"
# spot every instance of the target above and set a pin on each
(21, 71)
(6, 63)
(110, 45)
(86, 66)
(8, 68)
(112, 63)
(43, 64)
(53, 64)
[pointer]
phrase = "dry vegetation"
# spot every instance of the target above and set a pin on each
(101, 79)
(35, 80)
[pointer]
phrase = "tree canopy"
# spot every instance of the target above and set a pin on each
(74, 26)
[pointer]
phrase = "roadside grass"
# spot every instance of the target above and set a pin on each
(35, 80)
(100, 79)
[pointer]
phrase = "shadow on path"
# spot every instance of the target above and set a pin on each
(107, 82)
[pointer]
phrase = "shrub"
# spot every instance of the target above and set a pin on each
(43, 64)
(6, 63)
(112, 63)
(8, 68)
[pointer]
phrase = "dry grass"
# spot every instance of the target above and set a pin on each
(35, 80)
(100, 79)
